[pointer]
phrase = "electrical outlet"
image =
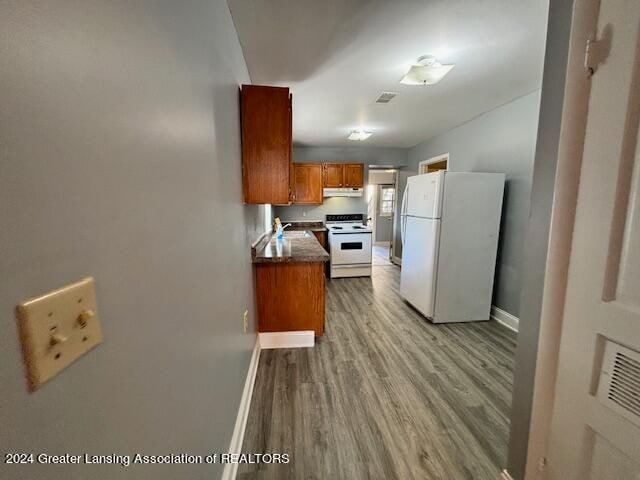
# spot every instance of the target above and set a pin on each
(245, 320)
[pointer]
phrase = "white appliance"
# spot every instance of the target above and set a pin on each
(350, 246)
(450, 223)
(342, 192)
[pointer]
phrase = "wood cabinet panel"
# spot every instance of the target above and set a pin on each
(436, 167)
(322, 239)
(338, 175)
(307, 183)
(290, 297)
(333, 175)
(266, 144)
(354, 175)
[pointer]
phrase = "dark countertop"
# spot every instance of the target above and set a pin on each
(290, 249)
(308, 226)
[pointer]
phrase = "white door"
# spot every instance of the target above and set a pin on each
(419, 260)
(595, 429)
(423, 195)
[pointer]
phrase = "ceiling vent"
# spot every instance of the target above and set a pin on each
(386, 97)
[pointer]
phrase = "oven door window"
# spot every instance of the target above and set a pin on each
(351, 246)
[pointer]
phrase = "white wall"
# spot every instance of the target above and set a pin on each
(558, 70)
(502, 140)
(120, 158)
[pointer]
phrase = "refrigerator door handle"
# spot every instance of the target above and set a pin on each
(403, 227)
(405, 198)
(403, 213)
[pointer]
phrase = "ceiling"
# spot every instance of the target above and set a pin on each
(337, 56)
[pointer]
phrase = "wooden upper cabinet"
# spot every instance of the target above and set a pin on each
(354, 175)
(341, 175)
(266, 144)
(307, 183)
(333, 175)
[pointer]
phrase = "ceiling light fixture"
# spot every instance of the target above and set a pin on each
(359, 135)
(426, 71)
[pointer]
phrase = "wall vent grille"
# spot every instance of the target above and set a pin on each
(619, 386)
(624, 388)
(386, 97)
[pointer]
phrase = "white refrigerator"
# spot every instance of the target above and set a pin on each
(450, 222)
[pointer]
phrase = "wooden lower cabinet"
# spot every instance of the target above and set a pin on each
(322, 239)
(290, 296)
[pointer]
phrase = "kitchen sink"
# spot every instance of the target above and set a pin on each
(297, 234)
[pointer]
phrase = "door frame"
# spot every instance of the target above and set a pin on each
(561, 214)
(372, 208)
(379, 188)
(394, 214)
(430, 161)
(394, 218)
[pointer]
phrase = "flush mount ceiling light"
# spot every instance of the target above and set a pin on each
(426, 71)
(359, 135)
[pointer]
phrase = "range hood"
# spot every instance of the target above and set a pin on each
(342, 192)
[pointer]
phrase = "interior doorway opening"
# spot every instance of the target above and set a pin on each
(434, 164)
(381, 206)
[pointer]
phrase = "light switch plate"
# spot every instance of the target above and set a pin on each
(57, 328)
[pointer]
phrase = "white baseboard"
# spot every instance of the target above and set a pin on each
(303, 338)
(505, 318)
(396, 260)
(382, 244)
(504, 475)
(231, 469)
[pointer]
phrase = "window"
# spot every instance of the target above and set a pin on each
(387, 200)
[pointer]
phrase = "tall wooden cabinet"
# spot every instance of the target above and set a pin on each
(266, 144)
(307, 183)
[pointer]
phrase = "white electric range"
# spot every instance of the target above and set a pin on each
(350, 245)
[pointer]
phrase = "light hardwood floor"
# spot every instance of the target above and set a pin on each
(380, 256)
(384, 394)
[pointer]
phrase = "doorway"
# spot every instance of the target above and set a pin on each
(434, 164)
(384, 206)
(381, 196)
